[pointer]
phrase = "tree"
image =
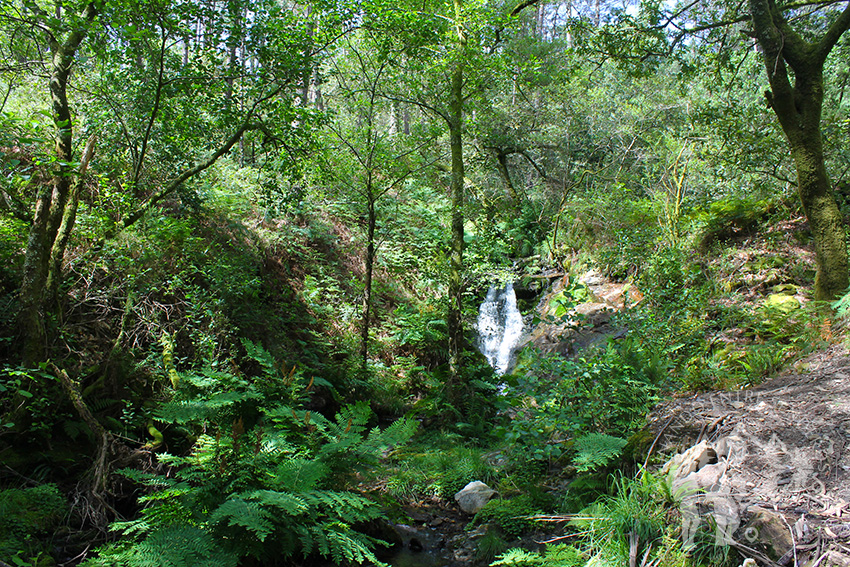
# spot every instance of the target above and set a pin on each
(64, 37)
(794, 55)
(798, 108)
(460, 34)
(169, 100)
(381, 159)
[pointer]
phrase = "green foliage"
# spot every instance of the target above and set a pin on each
(512, 516)
(728, 217)
(638, 508)
(264, 479)
(560, 555)
(583, 490)
(596, 450)
(26, 515)
(489, 546)
(842, 306)
(670, 279)
(560, 399)
(440, 470)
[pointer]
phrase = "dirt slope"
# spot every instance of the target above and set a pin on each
(784, 448)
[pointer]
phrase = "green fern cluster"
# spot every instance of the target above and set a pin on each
(263, 480)
(596, 450)
(554, 556)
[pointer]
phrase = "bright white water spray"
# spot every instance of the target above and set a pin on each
(500, 327)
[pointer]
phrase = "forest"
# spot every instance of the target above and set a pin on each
(424, 284)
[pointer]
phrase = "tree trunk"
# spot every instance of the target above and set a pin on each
(824, 217)
(367, 291)
(798, 109)
(454, 319)
(504, 172)
(51, 199)
(63, 234)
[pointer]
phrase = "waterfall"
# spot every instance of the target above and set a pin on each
(500, 327)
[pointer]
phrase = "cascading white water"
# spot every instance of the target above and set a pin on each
(500, 327)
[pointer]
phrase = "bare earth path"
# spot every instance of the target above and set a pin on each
(783, 447)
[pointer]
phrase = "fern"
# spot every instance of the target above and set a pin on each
(173, 546)
(290, 504)
(339, 543)
(248, 515)
(596, 450)
(188, 411)
(262, 481)
(555, 556)
(299, 474)
(518, 558)
(260, 355)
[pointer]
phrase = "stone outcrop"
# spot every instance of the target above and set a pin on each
(589, 323)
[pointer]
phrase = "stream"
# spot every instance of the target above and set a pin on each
(500, 328)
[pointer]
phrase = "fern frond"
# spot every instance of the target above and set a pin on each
(518, 558)
(398, 433)
(258, 354)
(347, 506)
(338, 542)
(180, 546)
(291, 504)
(596, 450)
(188, 411)
(146, 478)
(299, 475)
(249, 515)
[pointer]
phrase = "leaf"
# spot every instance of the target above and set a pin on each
(249, 515)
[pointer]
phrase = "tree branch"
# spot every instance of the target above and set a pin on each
(833, 34)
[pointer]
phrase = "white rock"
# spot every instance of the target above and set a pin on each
(690, 461)
(474, 496)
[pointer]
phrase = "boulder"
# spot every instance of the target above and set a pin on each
(474, 496)
(690, 461)
(782, 302)
(706, 479)
(769, 528)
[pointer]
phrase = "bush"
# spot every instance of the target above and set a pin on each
(265, 479)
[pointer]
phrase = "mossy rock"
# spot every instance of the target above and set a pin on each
(786, 289)
(782, 302)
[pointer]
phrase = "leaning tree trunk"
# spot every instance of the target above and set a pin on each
(798, 108)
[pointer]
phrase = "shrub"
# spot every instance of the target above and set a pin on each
(264, 480)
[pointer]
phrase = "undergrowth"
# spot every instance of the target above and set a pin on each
(265, 478)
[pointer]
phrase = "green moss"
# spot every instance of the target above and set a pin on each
(26, 516)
